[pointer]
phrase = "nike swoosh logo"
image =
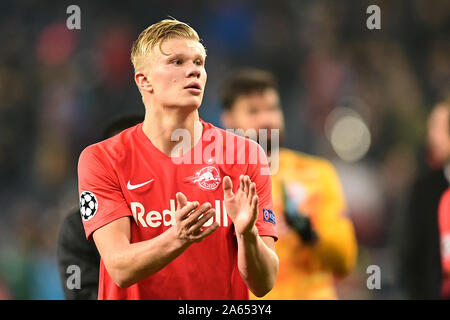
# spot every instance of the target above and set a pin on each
(135, 186)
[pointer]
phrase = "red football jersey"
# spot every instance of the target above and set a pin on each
(444, 233)
(444, 230)
(126, 175)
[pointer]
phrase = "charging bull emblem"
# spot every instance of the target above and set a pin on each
(207, 178)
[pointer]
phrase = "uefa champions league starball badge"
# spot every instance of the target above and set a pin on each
(88, 205)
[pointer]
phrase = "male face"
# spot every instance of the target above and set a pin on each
(176, 74)
(439, 134)
(256, 110)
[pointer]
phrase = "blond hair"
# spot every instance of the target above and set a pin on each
(156, 34)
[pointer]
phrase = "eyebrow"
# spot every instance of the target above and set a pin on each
(182, 55)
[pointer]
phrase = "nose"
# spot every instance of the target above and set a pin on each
(266, 120)
(194, 71)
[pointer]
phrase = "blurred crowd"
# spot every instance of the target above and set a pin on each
(59, 87)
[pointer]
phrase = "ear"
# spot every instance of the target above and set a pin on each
(226, 119)
(142, 81)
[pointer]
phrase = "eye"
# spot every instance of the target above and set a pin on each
(252, 111)
(177, 62)
(274, 108)
(199, 62)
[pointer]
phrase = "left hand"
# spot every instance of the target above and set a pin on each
(242, 206)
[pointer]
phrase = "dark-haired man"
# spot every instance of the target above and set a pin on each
(316, 240)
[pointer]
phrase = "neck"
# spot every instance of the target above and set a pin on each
(160, 123)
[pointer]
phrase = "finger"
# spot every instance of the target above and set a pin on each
(252, 192)
(194, 217)
(201, 221)
(184, 212)
(241, 183)
(227, 187)
(254, 207)
(181, 200)
(206, 232)
(247, 185)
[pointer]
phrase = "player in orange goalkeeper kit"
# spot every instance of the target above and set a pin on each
(316, 241)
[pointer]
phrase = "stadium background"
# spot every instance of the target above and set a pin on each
(358, 97)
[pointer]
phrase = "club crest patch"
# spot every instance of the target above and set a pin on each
(208, 178)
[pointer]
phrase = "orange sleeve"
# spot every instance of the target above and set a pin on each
(337, 246)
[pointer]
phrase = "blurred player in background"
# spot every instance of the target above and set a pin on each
(444, 228)
(148, 205)
(444, 214)
(420, 268)
(316, 240)
(73, 248)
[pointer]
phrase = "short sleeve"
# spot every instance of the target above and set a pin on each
(259, 172)
(444, 230)
(101, 197)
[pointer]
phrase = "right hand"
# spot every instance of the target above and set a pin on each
(190, 218)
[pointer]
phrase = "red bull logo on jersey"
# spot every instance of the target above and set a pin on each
(207, 178)
(156, 219)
